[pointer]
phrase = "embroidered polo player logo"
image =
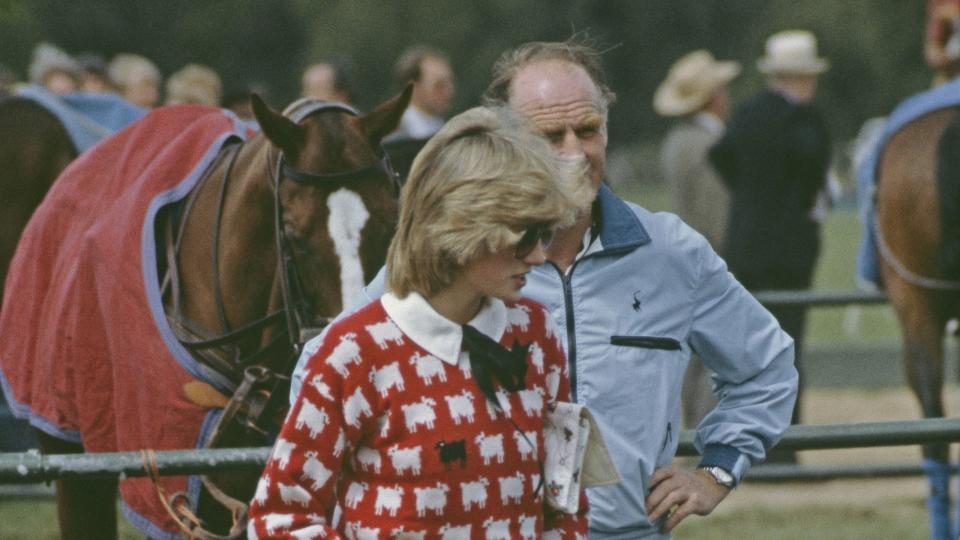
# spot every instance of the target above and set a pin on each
(636, 301)
(452, 451)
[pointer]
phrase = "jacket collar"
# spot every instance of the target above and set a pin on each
(620, 228)
(436, 334)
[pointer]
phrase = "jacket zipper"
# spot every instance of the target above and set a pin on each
(666, 440)
(565, 279)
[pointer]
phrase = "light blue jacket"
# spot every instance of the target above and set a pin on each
(632, 313)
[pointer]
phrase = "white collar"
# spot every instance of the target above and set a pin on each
(438, 335)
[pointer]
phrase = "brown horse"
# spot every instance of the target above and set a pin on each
(35, 148)
(273, 237)
(925, 296)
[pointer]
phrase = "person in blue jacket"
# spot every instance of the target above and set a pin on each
(634, 294)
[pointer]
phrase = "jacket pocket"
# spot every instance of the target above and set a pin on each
(646, 342)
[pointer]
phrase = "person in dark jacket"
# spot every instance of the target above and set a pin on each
(774, 158)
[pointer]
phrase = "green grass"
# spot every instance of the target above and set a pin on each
(36, 519)
(841, 236)
(900, 520)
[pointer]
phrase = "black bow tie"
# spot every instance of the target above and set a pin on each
(489, 360)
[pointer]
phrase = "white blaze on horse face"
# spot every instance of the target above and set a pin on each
(348, 215)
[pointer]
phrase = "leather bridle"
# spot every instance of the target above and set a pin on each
(259, 392)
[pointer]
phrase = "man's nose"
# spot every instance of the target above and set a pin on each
(570, 144)
(537, 256)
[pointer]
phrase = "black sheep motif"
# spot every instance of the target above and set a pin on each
(453, 451)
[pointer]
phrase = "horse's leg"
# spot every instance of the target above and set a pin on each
(87, 509)
(923, 327)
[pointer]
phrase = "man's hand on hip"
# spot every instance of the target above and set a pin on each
(679, 493)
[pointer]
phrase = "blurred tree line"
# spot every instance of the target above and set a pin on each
(874, 45)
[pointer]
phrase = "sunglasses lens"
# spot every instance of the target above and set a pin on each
(531, 237)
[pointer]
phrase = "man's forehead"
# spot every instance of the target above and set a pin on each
(553, 84)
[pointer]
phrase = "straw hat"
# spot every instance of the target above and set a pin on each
(792, 52)
(691, 82)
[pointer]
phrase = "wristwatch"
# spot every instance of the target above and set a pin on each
(721, 476)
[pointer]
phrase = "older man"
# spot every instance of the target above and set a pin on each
(634, 294)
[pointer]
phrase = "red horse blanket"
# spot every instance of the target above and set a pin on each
(86, 354)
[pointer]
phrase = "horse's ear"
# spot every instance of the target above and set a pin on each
(385, 118)
(282, 131)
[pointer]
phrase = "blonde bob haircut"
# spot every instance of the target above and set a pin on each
(473, 189)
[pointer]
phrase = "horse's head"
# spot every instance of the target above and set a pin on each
(337, 192)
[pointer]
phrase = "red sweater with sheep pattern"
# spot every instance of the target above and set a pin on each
(407, 444)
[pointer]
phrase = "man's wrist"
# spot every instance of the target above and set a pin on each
(719, 476)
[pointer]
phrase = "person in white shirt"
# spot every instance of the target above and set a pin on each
(433, 91)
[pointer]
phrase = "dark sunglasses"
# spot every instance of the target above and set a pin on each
(537, 234)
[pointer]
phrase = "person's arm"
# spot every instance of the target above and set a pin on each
(295, 496)
(562, 523)
(752, 359)
(368, 294)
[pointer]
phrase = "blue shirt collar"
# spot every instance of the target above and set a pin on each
(620, 228)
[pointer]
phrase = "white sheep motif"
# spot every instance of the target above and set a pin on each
(404, 459)
(474, 493)
(355, 494)
(431, 498)
(384, 332)
(428, 367)
(389, 499)
(532, 401)
(419, 412)
(491, 446)
(311, 417)
(345, 353)
(355, 407)
(461, 406)
(281, 452)
(497, 529)
(322, 388)
(386, 378)
(315, 471)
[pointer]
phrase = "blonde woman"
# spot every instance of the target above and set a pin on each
(422, 414)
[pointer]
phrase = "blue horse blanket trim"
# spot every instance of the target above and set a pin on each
(941, 97)
(88, 117)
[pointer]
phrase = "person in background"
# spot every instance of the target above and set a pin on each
(423, 413)
(941, 41)
(93, 73)
(54, 69)
(695, 93)
(328, 80)
(136, 78)
(429, 70)
(194, 83)
(634, 294)
(774, 158)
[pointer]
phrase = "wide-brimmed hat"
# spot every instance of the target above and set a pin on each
(691, 82)
(792, 52)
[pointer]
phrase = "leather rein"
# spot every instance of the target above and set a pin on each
(257, 392)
